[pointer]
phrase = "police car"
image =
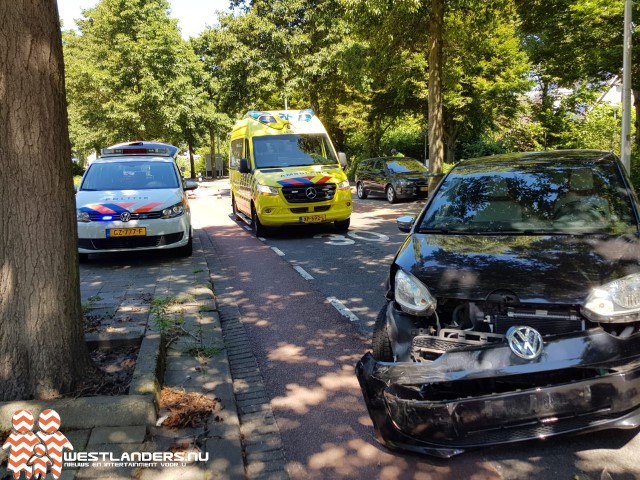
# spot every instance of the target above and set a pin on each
(133, 198)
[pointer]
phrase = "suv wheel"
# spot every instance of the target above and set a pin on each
(380, 343)
(361, 191)
(391, 194)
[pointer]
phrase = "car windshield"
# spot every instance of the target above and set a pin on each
(536, 198)
(130, 175)
(293, 150)
(404, 165)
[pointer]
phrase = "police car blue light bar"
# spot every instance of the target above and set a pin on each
(141, 148)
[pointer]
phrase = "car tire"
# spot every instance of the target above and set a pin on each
(186, 250)
(380, 342)
(362, 193)
(342, 225)
(391, 194)
(259, 230)
(83, 257)
(234, 208)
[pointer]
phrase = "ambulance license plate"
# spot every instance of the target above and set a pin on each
(126, 232)
(313, 218)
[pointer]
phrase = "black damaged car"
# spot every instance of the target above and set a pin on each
(513, 307)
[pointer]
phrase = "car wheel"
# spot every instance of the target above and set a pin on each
(259, 230)
(342, 225)
(187, 250)
(361, 191)
(83, 257)
(380, 343)
(391, 194)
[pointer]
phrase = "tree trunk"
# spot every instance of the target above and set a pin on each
(436, 146)
(42, 348)
(636, 104)
(212, 141)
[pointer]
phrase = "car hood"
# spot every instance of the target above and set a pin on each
(555, 269)
(133, 201)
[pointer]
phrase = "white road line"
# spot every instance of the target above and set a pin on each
(278, 251)
(262, 239)
(248, 229)
(302, 272)
(344, 311)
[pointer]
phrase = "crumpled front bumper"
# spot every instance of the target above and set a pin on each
(484, 396)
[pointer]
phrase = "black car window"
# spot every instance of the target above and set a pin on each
(404, 165)
(535, 198)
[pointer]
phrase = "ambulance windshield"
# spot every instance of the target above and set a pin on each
(293, 150)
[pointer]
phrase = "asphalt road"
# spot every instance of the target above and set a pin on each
(307, 300)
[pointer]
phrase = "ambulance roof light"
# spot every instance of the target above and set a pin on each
(306, 115)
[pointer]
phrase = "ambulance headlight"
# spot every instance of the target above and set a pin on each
(173, 211)
(615, 302)
(344, 185)
(267, 190)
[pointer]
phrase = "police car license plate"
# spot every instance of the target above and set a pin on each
(126, 232)
(424, 189)
(313, 218)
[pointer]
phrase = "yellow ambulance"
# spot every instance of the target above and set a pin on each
(284, 171)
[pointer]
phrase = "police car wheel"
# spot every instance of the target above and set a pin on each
(186, 250)
(83, 257)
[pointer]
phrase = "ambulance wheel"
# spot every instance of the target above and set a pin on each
(83, 257)
(258, 229)
(234, 208)
(380, 343)
(362, 193)
(342, 225)
(391, 194)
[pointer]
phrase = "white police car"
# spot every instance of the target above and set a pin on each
(133, 198)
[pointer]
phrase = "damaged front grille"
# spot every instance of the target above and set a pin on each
(429, 347)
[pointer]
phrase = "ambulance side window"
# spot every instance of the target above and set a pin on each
(247, 153)
(235, 154)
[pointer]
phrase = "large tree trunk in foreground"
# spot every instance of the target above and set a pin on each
(436, 145)
(42, 349)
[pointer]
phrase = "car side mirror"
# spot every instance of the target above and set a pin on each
(190, 185)
(342, 158)
(405, 223)
(244, 166)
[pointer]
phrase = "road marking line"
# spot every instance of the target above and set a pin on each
(278, 251)
(262, 239)
(302, 272)
(248, 229)
(342, 310)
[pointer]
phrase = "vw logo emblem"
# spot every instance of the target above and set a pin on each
(525, 342)
(311, 193)
(125, 216)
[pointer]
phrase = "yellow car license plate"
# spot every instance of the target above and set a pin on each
(313, 218)
(126, 232)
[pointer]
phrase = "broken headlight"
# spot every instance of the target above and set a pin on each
(412, 296)
(615, 302)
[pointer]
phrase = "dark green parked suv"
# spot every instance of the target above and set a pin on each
(394, 177)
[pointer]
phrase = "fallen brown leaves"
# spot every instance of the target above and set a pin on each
(187, 409)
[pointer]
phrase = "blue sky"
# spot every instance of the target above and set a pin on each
(193, 15)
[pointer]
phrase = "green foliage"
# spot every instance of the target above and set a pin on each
(130, 76)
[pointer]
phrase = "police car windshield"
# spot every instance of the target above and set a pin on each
(130, 175)
(292, 150)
